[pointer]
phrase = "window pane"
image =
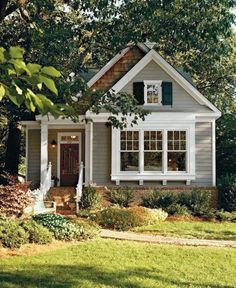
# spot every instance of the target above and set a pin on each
(176, 161)
(182, 135)
(170, 135)
(122, 135)
(159, 145)
(135, 135)
(129, 161)
(129, 135)
(159, 135)
(123, 145)
(153, 161)
(176, 145)
(129, 145)
(135, 145)
(153, 135)
(146, 135)
(153, 93)
(146, 145)
(170, 145)
(183, 145)
(153, 145)
(176, 135)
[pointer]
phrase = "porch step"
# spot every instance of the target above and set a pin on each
(62, 196)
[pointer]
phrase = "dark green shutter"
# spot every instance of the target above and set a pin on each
(167, 93)
(138, 91)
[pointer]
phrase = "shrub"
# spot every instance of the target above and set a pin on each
(227, 192)
(14, 197)
(199, 202)
(177, 209)
(159, 199)
(90, 199)
(37, 233)
(127, 218)
(222, 215)
(12, 235)
(121, 197)
(60, 226)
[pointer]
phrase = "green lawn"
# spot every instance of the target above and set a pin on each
(109, 263)
(194, 229)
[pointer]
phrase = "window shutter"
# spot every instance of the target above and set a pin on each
(167, 93)
(138, 91)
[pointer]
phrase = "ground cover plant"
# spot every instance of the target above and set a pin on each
(192, 229)
(121, 197)
(109, 263)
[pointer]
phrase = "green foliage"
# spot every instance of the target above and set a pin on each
(91, 198)
(37, 233)
(227, 192)
(121, 197)
(197, 201)
(127, 218)
(222, 215)
(60, 226)
(12, 235)
(89, 229)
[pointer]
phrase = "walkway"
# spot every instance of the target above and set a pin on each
(131, 236)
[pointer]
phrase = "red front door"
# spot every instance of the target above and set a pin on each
(69, 164)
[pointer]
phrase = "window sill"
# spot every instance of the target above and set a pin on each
(127, 176)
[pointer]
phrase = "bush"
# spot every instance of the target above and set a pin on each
(37, 233)
(222, 215)
(227, 192)
(127, 218)
(60, 226)
(12, 235)
(14, 197)
(159, 199)
(121, 197)
(90, 199)
(177, 209)
(196, 202)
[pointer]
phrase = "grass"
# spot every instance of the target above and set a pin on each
(109, 263)
(193, 229)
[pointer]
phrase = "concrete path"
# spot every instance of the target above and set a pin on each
(131, 236)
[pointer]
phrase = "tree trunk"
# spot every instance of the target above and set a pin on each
(13, 148)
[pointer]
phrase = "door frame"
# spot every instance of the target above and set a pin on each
(59, 142)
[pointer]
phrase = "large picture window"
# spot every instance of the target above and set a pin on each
(152, 150)
(129, 151)
(176, 151)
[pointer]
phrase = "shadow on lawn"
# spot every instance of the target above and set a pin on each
(63, 276)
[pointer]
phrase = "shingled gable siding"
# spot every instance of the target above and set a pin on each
(203, 154)
(119, 69)
(33, 164)
(182, 101)
(101, 154)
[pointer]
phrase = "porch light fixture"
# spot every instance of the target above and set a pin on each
(53, 143)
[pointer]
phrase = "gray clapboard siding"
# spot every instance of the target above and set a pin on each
(101, 154)
(203, 154)
(182, 101)
(33, 161)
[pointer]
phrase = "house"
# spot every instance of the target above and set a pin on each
(175, 145)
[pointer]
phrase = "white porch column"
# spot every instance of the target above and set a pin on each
(89, 153)
(44, 152)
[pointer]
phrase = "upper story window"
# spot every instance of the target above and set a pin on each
(153, 92)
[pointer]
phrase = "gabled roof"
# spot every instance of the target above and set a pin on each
(156, 57)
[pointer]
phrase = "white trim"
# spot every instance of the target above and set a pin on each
(105, 68)
(44, 153)
(153, 55)
(91, 154)
(213, 153)
(59, 142)
(26, 152)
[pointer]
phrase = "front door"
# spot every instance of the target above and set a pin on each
(69, 165)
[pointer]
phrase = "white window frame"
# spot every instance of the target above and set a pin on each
(153, 82)
(164, 175)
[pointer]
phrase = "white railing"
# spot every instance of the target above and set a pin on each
(79, 186)
(46, 185)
